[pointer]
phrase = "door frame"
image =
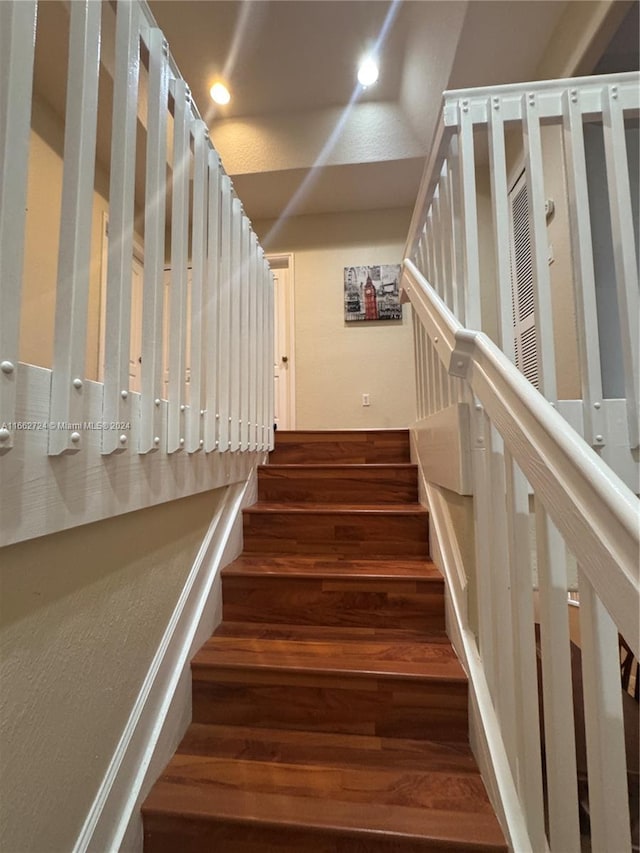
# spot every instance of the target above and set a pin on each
(285, 261)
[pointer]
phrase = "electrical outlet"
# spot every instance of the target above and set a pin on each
(365, 400)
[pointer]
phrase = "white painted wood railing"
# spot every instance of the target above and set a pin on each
(73, 450)
(582, 129)
(546, 505)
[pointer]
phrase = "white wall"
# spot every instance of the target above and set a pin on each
(337, 362)
(82, 613)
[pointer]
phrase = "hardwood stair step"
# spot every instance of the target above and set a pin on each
(355, 530)
(308, 594)
(329, 708)
(356, 447)
(313, 565)
(288, 631)
(319, 792)
(303, 747)
(338, 483)
(382, 685)
(357, 658)
(339, 633)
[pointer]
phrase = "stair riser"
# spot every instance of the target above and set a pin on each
(384, 707)
(336, 533)
(331, 485)
(409, 605)
(168, 834)
(358, 448)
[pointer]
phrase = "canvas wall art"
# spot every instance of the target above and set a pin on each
(372, 293)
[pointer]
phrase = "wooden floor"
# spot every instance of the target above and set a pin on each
(329, 709)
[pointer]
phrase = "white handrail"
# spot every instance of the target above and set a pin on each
(596, 512)
(581, 507)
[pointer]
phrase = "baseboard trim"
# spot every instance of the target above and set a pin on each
(162, 710)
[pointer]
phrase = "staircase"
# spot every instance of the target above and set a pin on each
(329, 709)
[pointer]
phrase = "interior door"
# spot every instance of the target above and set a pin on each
(283, 346)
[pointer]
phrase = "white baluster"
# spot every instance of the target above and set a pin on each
(604, 725)
(436, 237)
(457, 254)
(429, 358)
(501, 583)
(224, 316)
(196, 410)
(482, 520)
(469, 214)
(211, 302)
(253, 342)
(584, 286)
(155, 196)
(179, 265)
(244, 334)
(234, 352)
(116, 400)
(560, 746)
(17, 39)
(528, 770)
(539, 248)
(501, 228)
(270, 357)
(261, 339)
(419, 366)
(446, 237)
(624, 251)
(74, 251)
(420, 254)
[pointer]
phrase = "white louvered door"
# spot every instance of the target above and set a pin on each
(524, 318)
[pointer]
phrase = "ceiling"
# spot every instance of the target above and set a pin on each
(299, 136)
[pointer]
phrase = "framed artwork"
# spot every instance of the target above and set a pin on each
(372, 293)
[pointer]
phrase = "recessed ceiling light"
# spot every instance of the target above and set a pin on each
(368, 71)
(220, 93)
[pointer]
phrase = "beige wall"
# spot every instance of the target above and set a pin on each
(81, 615)
(41, 245)
(337, 362)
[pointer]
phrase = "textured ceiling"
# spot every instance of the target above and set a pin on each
(282, 57)
(291, 69)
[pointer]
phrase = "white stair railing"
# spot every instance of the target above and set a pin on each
(475, 124)
(550, 513)
(217, 337)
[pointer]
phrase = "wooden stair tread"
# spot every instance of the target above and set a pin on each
(193, 798)
(420, 570)
(412, 786)
(286, 631)
(357, 658)
(312, 508)
(335, 508)
(327, 748)
(318, 467)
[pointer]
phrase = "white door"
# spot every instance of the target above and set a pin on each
(283, 364)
